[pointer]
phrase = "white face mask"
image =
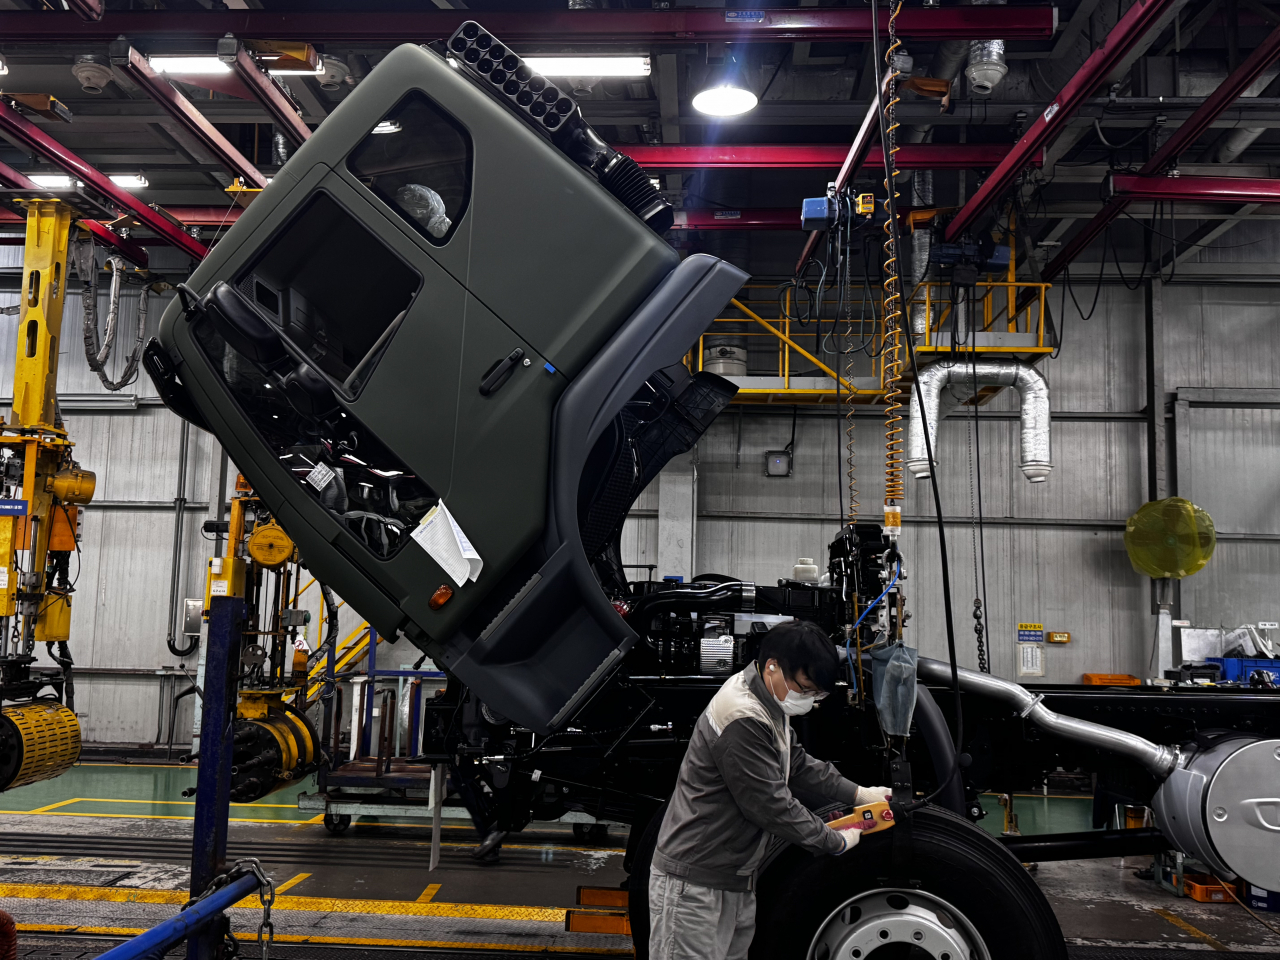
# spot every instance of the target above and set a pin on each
(797, 704)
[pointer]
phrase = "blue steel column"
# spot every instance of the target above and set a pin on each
(213, 779)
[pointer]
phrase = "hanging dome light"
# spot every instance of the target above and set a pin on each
(725, 100)
(725, 95)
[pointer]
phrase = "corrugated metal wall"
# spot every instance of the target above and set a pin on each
(1054, 551)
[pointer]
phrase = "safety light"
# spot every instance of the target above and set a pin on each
(190, 66)
(589, 66)
(388, 126)
(130, 181)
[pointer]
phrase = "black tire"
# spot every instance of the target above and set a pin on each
(580, 832)
(952, 860)
(337, 823)
(598, 834)
(638, 883)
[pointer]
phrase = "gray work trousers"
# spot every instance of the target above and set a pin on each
(690, 922)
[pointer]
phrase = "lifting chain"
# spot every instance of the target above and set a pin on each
(266, 896)
(978, 629)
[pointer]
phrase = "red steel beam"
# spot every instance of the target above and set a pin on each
(1228, 91)
(100, 231)
(611, 27)
(136, 67)
(282, 110)
(748, 218)
(27, 135)
(910, 156)
(87, 9)
(1133, 26)
(1131, 187)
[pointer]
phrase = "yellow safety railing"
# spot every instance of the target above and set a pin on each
(997, 307)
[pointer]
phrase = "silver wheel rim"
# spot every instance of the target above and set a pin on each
(888, 915)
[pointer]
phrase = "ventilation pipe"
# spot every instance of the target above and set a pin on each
(947, 384)
(1240, 140)
(986, 60)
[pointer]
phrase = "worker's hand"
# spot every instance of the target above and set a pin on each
(872, 795)
(851, 836)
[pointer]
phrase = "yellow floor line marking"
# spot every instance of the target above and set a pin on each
(410, 908)
(53, 806)
(251, 932)
(1188, 928)
(318, 818)
(429, 893)
(291, 882)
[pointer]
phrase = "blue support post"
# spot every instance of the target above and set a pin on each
(371, 661)
(189, 923)
(213, 779)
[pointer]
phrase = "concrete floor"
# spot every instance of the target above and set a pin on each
(102, 850)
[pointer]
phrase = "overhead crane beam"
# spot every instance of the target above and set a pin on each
(1140, 19)
(640, 27)
(1129, 187)
(281, 108)
(28, 136)
(135, 66)
(781, 156)
(1181, 140)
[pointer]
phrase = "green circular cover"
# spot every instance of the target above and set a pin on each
(1169, 538)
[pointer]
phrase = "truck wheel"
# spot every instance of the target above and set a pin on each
(638, 883)
(963, 897)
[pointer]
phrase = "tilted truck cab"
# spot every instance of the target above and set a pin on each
(438, 301)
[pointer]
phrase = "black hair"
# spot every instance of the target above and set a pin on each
(801, 645)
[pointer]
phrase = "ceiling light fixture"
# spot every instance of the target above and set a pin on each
(388, 126)
(4, 66)
(724, 94)
(52, 181)
(190, 66)
(130, 181)
(589, 66)
(301, 71)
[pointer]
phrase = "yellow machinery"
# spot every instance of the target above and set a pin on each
(274, 741)
(43, 487)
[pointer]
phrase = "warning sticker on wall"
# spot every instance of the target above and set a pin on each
(1031, 633)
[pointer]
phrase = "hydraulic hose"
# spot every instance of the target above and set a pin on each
(695, 597)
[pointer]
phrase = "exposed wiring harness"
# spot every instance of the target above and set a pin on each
(97, 351)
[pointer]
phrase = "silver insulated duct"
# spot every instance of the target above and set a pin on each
(947, 384)
(986, 60)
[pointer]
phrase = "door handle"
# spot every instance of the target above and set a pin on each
(500, 373)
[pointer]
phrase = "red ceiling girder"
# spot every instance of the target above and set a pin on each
(1133, 26)
(1131, 187)
(748, 218)
(136, 67)
(911, 156)
(87, 9)
(100, 231)
(27, 135)
(268, 93)
(1223, 97)
(561, 27)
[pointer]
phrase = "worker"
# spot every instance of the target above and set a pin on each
(735, 791)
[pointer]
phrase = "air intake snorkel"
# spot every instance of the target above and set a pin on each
(546, 107)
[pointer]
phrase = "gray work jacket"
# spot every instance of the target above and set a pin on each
(734, 791)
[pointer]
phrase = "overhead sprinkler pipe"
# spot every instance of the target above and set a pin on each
(947, 384)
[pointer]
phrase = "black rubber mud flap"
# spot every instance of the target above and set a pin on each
(951, 859)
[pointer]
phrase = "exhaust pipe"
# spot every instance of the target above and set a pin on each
(1159, 760)
(947, 384)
